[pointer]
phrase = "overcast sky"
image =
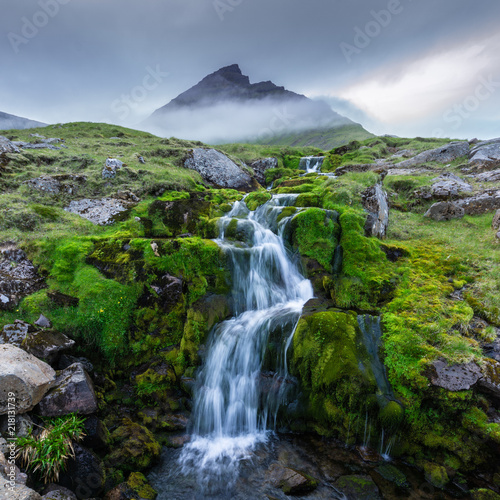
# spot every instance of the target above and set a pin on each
(404, 67)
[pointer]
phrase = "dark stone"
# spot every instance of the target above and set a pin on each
(260, 166)
(57, 492)
(166, 291)
(480, 204)
(291, 481)
(73, 392)
(84, 474)
(96, 434)
(490, 382)
(66, 360)
(393, 253)
(358, 487)
(62, 299)
(454, 377)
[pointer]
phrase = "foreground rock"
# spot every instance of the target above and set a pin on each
(291, 481)
(454, 377)
(18, 276)
(25, 376)
(102, 212)
(485, 155)
(259, 168)
(375, 202)
(73, 392)
(217, 169)
(445, 210)
(43, 344)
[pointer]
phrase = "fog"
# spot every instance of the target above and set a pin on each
(236, 122)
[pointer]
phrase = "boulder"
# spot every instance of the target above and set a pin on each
(102, 211)
(45, 344)
(110, 168)
(454, 377)
(444, 154)
(84, 474)
(217, 169)
(445, 210)
(493, 176)
(485, 155)
(55, 184)
(18, 276)
(73, 392)
(480, 204)
(259, 168)
(25, 376)
(7, 146)
(375, 202)
(448, 185)
(17, 491)
(57, 492)
(291, 481)
(496, 221)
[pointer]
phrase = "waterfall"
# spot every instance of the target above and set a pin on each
(311, 164)
(230, 415)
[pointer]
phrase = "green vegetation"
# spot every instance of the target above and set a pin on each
(46, 452)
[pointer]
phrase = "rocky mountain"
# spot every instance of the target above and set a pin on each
(226, 107)
(8, 121)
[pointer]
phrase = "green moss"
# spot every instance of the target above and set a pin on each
(391, 415)
(139, 484)
(484, 494)
(256, 199)
(436, 475)
(308, 200)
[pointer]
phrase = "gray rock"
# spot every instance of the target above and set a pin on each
(45, 344)
(448, 185)
(480, 204)
(454, 377)
(444, 154)
(217, 169)
(496, 221)
(493, 176)
(25, 376)
(57, 492)
(375, 202)
(43, 322)
(485, 155)
(73, 392)
(490, 382)
(18, 276)
(110, 168)
(16, 491)
(445, 210)
(55, 184)
(7, 146)
(260, 166)
(42, 144)
(22, 424)
(102, 212)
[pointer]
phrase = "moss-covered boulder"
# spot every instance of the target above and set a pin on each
(134, 447)
(256, 199)
(135, 488)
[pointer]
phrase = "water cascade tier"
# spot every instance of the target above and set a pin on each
(231, 415)
(311, 164)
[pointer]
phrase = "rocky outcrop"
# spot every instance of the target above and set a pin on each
(375, 202)
(55, 184)
(25, 376)
(445, 210)
(41, 143)
(259, 168)
(485, 155)
(101, 212)
(454, 377)
(18, 276)
(110, 168)
(73, 392)
(480, 204)
(449, 185)
(444, 154)
(218, 170)
(43, 344)
(7, 146)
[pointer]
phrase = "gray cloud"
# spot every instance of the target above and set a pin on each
(92, 52)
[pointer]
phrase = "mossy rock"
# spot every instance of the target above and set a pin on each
(358, 487)
(256, 199)
(391, 415)
(436, 474)
(484, 494)
(393, 475)
(134, 447)
(138, 483)
(308, 200)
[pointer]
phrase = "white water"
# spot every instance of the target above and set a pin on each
(312, 164)
(231, 415)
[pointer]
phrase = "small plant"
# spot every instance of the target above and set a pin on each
(47, 453)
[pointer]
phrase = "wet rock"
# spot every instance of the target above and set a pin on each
(485, 155)
(57, 492)
(375, 202)
(217, 169)
(7, 146)
(490, 382)
(444, 154)
(176, 440)
(102, 211)
(448, 185)
(454, 377)
(260, 166)
(291, 481)
(480, 204)
(25, 376)
(73, 392)
(55, 184)
(44, 344)
(496, 221)
(369, 454)
(110, 168)
(84, 474)
(358, 487)
(18, 276)
(445, 210)
(394, 475)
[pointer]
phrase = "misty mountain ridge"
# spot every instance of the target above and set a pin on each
(8, 122)
(225, 107)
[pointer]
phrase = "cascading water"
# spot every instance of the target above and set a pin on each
(230, 416)
(311, 164)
